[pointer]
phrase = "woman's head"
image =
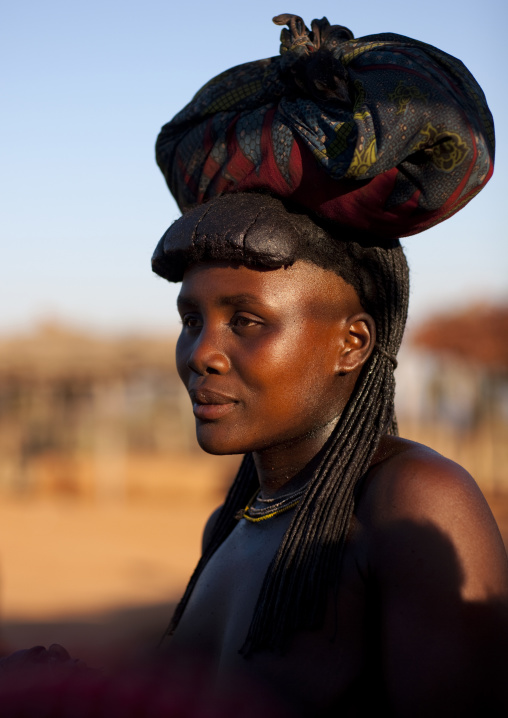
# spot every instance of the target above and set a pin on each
(269, 356)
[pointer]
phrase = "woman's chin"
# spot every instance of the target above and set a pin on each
(218, 445)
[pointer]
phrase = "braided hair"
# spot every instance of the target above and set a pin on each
(306, 566)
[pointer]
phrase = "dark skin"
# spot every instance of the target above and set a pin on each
(270, 358)
(285, 376)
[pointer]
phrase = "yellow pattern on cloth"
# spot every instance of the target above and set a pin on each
(403, 94)
(447, 149)
(363, 159)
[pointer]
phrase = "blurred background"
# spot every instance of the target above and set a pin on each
(103, 490)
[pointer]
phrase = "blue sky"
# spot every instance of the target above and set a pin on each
(86, 87)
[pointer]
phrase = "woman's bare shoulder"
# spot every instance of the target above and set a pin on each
(411, 478)
(414, 501)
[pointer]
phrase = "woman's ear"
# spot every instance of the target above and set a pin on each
(358, 342)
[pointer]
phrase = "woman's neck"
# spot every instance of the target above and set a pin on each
(289, 466)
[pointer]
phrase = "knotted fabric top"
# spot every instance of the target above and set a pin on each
(384, 133)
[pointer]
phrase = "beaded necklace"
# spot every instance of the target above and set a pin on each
(272, 507)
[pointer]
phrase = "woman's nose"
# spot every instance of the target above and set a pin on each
(207, 356)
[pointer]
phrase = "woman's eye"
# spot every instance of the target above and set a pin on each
(191, 321)
(240, 320)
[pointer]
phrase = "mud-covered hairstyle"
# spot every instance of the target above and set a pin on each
(260, 230)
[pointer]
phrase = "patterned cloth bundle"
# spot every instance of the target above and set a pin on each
(383, 133)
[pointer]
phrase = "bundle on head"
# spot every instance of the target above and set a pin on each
(382, 133)
(260, 230)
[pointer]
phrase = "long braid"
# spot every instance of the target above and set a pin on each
(294, 591)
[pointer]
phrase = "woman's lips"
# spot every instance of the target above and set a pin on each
(211, 411)
(208, 405)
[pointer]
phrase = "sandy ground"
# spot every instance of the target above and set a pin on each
(101, 579)
(101, 576)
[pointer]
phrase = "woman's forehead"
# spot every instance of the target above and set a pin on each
(302, 282)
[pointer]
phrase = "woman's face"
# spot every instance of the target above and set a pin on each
(267, 355)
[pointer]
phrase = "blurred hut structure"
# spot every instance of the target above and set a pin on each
(453, 391)
(89, 416)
